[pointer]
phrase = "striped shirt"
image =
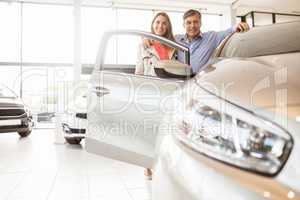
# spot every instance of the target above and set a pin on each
(202, 47)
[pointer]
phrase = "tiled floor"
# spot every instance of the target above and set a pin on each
(36, 168)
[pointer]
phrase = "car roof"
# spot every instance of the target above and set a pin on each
(265, 40)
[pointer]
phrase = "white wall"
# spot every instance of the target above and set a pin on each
(277, 6)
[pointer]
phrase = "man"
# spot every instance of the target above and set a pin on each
(202, 45)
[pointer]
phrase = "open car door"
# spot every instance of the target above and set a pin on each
(125, 110)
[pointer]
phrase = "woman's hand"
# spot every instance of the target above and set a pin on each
(147, 42)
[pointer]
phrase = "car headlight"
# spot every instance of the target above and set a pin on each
(235, 136)
(27, 111)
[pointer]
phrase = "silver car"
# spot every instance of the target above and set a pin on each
(230, 132)
(14, 115)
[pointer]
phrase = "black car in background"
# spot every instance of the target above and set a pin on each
(14, 115)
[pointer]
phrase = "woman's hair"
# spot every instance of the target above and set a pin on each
(169, 34)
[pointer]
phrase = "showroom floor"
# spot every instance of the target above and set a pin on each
(37, 168)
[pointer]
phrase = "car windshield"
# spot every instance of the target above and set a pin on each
(6, 92)
(265, 40)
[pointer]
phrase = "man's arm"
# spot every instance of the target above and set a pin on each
(223, 34)
(241, 27)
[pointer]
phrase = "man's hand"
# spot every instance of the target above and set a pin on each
(242, 27)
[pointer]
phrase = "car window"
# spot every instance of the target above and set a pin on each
(130, 54)
(265, 40)
(121, 50)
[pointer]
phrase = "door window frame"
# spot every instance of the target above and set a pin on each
(107, 35)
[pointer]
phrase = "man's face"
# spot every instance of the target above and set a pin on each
(192, 26)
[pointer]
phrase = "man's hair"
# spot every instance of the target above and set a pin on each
(191, 12)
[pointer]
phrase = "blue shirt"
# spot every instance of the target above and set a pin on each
(202, 47)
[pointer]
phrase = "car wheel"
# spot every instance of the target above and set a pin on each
(24, 134)
(73, 140)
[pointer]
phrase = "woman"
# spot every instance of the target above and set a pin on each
(150, 55)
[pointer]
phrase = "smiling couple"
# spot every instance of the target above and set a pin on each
(200, 44)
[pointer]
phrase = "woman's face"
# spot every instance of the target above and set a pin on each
(160, 26)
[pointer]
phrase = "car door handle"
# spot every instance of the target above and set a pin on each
(100, 91)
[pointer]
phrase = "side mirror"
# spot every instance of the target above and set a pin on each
(173, 69)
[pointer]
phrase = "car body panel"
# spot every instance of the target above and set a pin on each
(125, 110)
(267, 78)
(126, 120)
(11, 102)
(266, 40)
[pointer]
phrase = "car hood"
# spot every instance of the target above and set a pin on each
(266, 85)
(11, 103)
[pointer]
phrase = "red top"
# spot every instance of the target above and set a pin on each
(162, 50)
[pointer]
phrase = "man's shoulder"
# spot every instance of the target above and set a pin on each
(229, 30)
(179, 36)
